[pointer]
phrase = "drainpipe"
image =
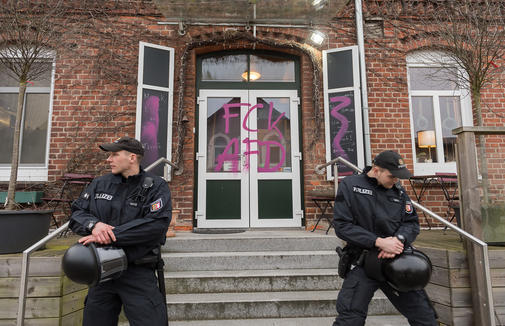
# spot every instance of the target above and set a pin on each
(364, 88)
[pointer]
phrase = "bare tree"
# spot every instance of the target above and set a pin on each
(31, 33)
(471, 33)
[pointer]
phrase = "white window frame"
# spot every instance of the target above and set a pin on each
(170, 90)
(34, 172)
(356, 89)
(427, 59)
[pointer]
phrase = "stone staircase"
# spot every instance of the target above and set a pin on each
(260, 278)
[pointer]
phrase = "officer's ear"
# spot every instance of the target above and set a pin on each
(132, 157)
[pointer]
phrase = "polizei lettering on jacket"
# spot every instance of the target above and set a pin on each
(362, 191)
(104, 196)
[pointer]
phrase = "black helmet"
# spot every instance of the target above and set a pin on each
(92, 265)
(409, 271)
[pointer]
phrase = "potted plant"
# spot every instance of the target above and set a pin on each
(31, 32)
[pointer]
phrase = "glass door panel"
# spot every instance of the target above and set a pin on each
(274, 134)
(223, 186)
(223, 134)
(275, 180)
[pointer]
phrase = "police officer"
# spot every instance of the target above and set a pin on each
(371, 211)
(131, 209)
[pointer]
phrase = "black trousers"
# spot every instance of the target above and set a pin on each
(136, 290)
(357, 292)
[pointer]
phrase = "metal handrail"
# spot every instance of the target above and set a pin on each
(161, 160)
(487, 274)
(26, 253)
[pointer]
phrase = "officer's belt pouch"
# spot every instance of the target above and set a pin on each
(373, 265)
(348, 257)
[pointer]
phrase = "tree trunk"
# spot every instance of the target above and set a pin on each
(11, 192)
(482, 151)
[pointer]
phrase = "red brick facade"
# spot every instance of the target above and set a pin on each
(95, 98)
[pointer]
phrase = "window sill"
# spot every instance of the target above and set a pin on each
(432, 168)
(32, 173)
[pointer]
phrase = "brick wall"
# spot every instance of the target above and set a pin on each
(95, 97)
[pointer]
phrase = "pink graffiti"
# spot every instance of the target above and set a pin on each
(246, 118)
(227, 114)
(150, 123)
(233, 145)
(344, 102)
(225, 156)
(267, 143)
(270, 124)
(273, 126)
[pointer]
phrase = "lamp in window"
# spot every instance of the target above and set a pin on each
(426, 139)
(253, 75)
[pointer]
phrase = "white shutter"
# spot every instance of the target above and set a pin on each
(342, 107)
(155, 103)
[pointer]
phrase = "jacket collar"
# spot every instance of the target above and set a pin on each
(118, 178)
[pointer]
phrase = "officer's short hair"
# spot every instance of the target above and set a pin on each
(139, 158)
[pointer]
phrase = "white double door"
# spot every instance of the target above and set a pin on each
(248, 159)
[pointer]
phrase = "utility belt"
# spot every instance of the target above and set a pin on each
(350, 257)
(150, 260)
(154, 260)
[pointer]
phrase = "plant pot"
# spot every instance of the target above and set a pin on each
(24, 197)
(21, 229)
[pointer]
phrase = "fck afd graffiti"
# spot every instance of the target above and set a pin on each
(232, 149)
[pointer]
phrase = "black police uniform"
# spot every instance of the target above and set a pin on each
(141, 216)
(363, 211)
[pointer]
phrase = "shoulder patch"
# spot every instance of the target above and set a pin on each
(156, 205)
(408, 207)
(363, 191)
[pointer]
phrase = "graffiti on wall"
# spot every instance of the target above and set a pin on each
(343, 102)
(153, 132)
(231, 153)
(343, 128)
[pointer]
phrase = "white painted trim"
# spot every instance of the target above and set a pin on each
(357, 106)
(169, 90)
(31, 172)
(426, 59)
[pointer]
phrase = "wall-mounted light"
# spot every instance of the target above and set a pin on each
(426, 139)
(253, 75)
(317, 37)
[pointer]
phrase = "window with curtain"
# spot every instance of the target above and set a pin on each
(438, 104)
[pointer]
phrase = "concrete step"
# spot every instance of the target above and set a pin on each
(254, 260)
(318, 321)
(252, 281)
(255, 305)
(252, 241)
